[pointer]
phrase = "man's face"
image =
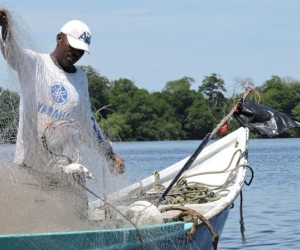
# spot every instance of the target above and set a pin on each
(68, 55)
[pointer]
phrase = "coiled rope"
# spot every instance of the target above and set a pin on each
(184, 192)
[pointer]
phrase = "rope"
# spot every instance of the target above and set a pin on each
(242, 225)
(188, 214)
(197, 192)
(45, 145)
(59, 124)
(236, 106)
(184, 192)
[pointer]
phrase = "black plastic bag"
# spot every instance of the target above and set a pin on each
(267, 121)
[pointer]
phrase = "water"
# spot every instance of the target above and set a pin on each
(271, 204)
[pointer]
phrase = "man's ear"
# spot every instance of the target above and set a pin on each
(59, 38)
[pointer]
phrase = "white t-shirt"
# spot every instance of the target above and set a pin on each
(48, 94)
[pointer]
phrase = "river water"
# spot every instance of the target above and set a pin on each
(271, 204)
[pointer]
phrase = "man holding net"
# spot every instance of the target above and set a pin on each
(55, 114)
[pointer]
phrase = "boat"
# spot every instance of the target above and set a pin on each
(139, 218)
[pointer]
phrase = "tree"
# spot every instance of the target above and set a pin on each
(121, 93)
(152, 118)
(200, 118)
(116, 127)
(98, 89)
(241, 85)
(9, 116)
(278, 94)
(179, 95)
(213, 86)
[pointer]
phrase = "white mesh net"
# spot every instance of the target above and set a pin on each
(55, 167)
(58, 186)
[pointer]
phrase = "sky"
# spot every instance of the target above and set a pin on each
(156, 41)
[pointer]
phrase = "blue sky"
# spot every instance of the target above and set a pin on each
(156, 41)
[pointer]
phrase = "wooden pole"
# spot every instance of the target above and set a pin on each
(226, 118)
(199, 149)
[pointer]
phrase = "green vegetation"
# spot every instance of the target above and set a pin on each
(9, 115)
(177, 112)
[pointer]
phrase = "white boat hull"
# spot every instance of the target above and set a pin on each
(171, 235)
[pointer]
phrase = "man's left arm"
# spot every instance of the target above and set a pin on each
(116, 163)
(95, 134)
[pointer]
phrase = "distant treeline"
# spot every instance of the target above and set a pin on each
(177, 112)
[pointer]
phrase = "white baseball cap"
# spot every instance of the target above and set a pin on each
(78, 34)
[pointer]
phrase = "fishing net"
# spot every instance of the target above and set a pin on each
(59, 189)
(47, 184)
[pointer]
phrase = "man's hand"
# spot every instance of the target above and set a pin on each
(117, 165)
(3, 17)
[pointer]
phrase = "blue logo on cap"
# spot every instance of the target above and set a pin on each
(59, 93)
(86, 38)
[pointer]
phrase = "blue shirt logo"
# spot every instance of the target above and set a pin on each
(59, 93)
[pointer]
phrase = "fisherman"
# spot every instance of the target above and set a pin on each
(53, 89)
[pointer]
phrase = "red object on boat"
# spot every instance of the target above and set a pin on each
(223, 129)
